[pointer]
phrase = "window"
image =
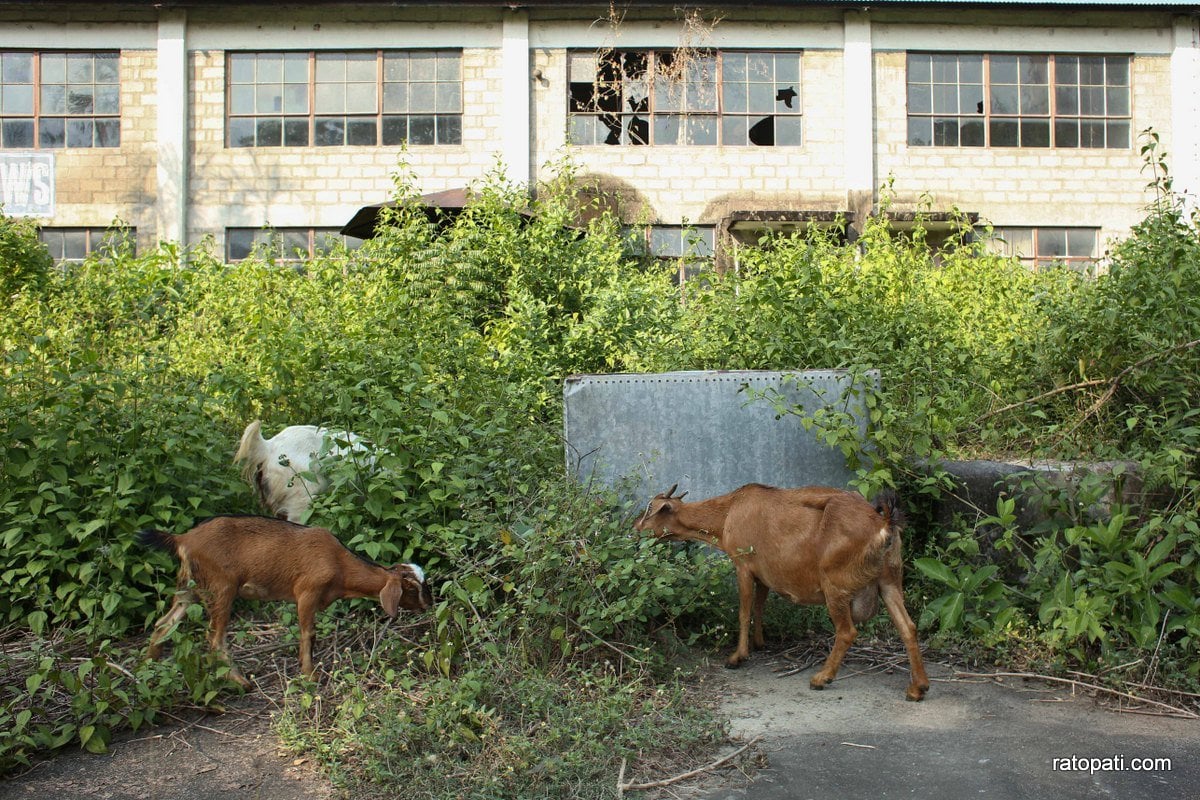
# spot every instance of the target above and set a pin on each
(735, 98)
(284, 244)
(67, 245)
(688, 248)
(1039, 247)
(977, 100)
(56, 100)
(331, 99)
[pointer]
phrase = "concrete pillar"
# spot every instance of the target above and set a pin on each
(858, 100)
(172, 128)
(516, 139)
(1183, 152)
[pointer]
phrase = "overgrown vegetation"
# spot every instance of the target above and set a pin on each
(548, 658)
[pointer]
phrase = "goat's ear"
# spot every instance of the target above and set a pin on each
(389, 596)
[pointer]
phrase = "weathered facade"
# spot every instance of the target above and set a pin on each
(236, 117)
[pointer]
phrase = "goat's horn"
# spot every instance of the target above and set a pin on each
(671, 491)
(682, 496)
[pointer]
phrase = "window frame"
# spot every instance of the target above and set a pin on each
(103, 128)
(693, 110)
(999, 244)
(262, 244)
(1033, 129)
(444, 128)
(97, 240)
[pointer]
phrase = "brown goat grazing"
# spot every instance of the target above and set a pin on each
(259, 558)
(812, 545)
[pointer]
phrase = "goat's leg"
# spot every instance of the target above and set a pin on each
(168, 621)
(760, 602)
(843, 623)
(220, 606)
(893, 597)
(306, 611)
(746, 583)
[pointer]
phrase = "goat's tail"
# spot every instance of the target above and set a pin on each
(887, 505)
(248, 449)
(158, 540)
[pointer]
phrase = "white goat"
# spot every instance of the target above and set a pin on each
(285, 470)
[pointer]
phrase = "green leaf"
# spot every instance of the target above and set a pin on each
(935, 569)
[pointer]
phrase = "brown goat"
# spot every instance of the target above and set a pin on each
(812, 545)
(259, 558)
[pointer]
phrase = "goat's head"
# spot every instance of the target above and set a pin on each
(405, 588)
(659, 516)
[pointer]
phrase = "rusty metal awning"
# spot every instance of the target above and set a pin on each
(447, 203)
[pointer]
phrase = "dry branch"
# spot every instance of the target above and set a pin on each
(1167, 709)
(637, 787)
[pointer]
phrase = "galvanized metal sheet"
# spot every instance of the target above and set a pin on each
(706, 431)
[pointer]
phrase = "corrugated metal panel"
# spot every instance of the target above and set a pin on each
(641, 433)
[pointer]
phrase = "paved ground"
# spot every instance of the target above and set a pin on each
(969, 739)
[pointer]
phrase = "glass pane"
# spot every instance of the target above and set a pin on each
(788, 131)
(971, 133)
(761, 131)
(241, 133)
(268, 99)
(1066, 133)
(295, 68)
(395, 98)
(920, 98)
(329, 131)
(665, 241)
(108, 68)
(395, 130)
(241, 99)
(1081, 243)
(637, 129)
(1118, 134)
(920, 131)
(702, 130)
(945, 69)
(1051, 242)
(760, 67)
(1034, 69)
(787, 99)
(1117, 70)
(295, 132)
(919, 70)
(580, 130)
(295, 98)
(449, 97)
(1091, 133)
(1035, 133)
(761, 98)
(945, 132)
(734, 98)
(74, 244)
(1004, 100)
(331, 68)
(1004, 133)
(422, 66)
(733, 131)
(19, 133)
(395, 67)
(666, 129)
(108, 132)
(79, 101)
(19, 99)
(107, 100)
(1091, 70)
(80, 68)
(1091, 101)
(787, 67)
(241, 68)
(238, 243)
(449, 129)
(1035, 100)
(734, 67)
(1117, 101)
(421, 97)
(360, 67)
(268, 132)
(360, 98)
(293, 244)
(1066, 69)
(18, 68)
(1020, 241)
(449, 67)
(970, 69)
(1066, 99)
(80, 133)
(361, 132)
(1004, 69)
(970, 99)
(269, 68)
(703, 96)
(945, 99)
(421, 130)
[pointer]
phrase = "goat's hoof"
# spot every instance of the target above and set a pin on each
(733, 662)
(916, 694)
(816, 687)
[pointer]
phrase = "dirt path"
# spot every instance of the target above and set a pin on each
(857, 739)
